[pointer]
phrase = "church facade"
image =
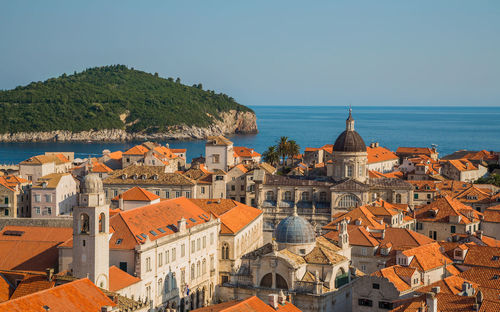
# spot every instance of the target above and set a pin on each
(347, 185)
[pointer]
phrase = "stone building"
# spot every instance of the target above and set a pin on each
(314, 272)
(319, 198)
(219, 153)
(53, 195)
(15, 199)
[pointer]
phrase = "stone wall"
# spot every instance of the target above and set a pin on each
(45, 222)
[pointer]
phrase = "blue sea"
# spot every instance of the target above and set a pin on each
(450, 128)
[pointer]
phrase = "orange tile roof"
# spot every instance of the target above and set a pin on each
(396, 275)
(485, 256)
(242, 168)
(312, 149)
(445, 207)
(241, 151)
(100, 168)
(448, 285)
(427, 257)
(360, 213)
(12, 181)
(414, 150)
(492, 214)
(137, 194)
(445, 303)
(35, 233)
(462, 164)
(218, 140)
(119, 279)
(252, 304)
(328, 148)
(233, 215)
(52, 180)
(484, 277)
(358, 236)
(137, 150)
(379, 154)
(6, 289)
(32, 283)
(116, 155)
(80, 295)
(402, 238)
(45, 159)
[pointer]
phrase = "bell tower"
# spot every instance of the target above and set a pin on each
(91, 233)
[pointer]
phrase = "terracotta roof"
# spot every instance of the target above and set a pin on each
(98, 167)
(119, 279)
(484, 277)
(492, 214)
(448, 285)
(298, 260)
(361, 214)
(358, 236)
(241, 151)
(137, 194)
(81, 295)
(116, 155)
(424, 185)
(379, 154)
(6, 289)
(267, 167)
(51, 180)
(32, 283)
(145, 175)
(31, 248)
(402, 239)
(482, 256)
(427, 257)
(45, 159)
(218, 140)
(441, 209)
(233, 215)
(399, 276)
(252, 304)
(328, 148)
(462, 164)
(12, 181)
(414, 150)
(241, 167)
(136, 150)
(324, 253)
(445, 303)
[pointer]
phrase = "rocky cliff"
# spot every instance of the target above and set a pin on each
(232, 122)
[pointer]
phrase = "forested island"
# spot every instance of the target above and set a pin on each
(118, 103)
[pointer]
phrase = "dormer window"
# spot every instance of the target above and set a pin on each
(124, 176)
(155, 177)
(134, 176)
(495, 258)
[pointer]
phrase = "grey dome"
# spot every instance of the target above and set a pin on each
(295, 230)
(92, 184)
(349, 141)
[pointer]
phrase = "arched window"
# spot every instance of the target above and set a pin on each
(167, 283)
(267, 280)
(281, 282)
(198, 269)
(287, 196)
(192, 271)
(102, 223)
(350, 170)
(341, 278)
(160, 287)
(305, 196)
(225, 251)
(174, 282)
(322, 197)
(269, 195)
(204, 267)
(398, 198)
(84, 223)
(348, 201)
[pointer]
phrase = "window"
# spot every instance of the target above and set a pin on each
(49, 210)
(84, 223)
(123, 266)
(198, 269)
(453, 229)
(6, 212)
(159, 289)
(398, 198)
(148, 264)
(193, 246)
(203, 190)
(420, 226)
(188, 194)
(48, 198)
(177, 194)
(204, 242)
(174, 282)
(242, 187)
(215, 158)
(219, 178)
(385, 305)
(376, 286)
(305, 196)
(269, 195)
(350, 170)
(365, 302)
(211, 238)
(183, 276)
(37, 210)
(287, 196)
(174, 251)
(160, 259)
(322, 197)
(167, 194)
(428, 196)
(211, 262)
(233, 187)
(192, 271)
(415, 196)
(157, 192)
(348, 201)
(38, 198)
(167, 257)
(363, 251)
(198, 244)
(102, 223)
(224, 279)
(204, 267)
(225, 251)
(183, 250)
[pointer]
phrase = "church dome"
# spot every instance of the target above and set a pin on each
(295, 230)
(349, 140)
(92, 184)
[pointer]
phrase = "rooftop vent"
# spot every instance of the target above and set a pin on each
(13, 233)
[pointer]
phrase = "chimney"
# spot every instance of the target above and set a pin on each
(120, 201)
(383, 234)
(436, 289)
(282, 297)
(273, 301)
(480, 234)
(431, 302)
(50, 273)
(181, 225)
(106, 309)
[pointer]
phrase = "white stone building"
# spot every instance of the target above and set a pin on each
(53, 195)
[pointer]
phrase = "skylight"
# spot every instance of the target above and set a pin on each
(144, 235)
(161, 230)
(153, 232)
(192, 220)
(119, 241)
(172, 228)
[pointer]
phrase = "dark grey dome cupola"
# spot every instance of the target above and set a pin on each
(349, 140)
(294, 230)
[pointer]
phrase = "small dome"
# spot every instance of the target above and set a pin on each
(349, 141)
(295, 230)
(92, 184)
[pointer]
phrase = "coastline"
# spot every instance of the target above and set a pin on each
(232, 122)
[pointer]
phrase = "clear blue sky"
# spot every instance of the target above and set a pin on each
(269, 52)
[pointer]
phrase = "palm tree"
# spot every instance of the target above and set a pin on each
(282, 148)
(271, 155)
(293, 149)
